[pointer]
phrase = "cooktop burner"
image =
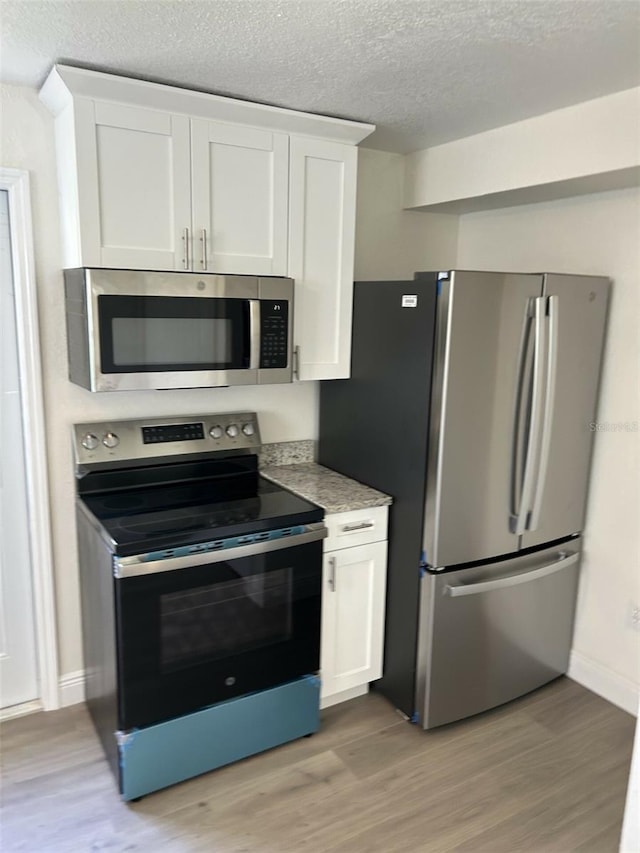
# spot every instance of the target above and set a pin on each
(154, 521)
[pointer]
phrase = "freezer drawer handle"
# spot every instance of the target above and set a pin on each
(564, 559)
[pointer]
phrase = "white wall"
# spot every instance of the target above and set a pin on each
(392, 243)
(597, 234)
(585, 148)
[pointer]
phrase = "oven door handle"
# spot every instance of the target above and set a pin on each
(131, 567)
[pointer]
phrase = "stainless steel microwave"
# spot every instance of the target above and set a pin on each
(135, 330)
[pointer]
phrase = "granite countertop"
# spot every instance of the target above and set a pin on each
(332, 491)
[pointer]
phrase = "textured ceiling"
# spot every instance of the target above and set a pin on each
(423, 71)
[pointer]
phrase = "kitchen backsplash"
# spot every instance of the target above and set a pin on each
(287, 453)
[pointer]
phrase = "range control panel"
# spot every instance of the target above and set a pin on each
(274, 331)
(139, 439)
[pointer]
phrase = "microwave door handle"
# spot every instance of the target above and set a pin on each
(254, 334)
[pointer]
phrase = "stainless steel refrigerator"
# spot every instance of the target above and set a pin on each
(472, 402)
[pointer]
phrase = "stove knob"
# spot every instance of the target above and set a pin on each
(90, 441)
(232, 430)
(248, 429)
(110, 439)
(216, 432)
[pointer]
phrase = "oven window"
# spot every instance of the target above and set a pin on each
(149, 334)
(225, 618)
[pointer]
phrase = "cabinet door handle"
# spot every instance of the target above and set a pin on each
(332, 574)
(203, 240)
(362, 525)
(185, 248)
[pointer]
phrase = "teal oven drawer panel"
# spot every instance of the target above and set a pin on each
(170, 752)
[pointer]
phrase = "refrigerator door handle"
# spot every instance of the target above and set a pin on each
(549, 404)
(564, 560)
(533, 439)
(523, 372)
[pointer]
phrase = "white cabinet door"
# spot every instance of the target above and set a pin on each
(133, 185)
(353, 599)
(240, 189)
(322, 206)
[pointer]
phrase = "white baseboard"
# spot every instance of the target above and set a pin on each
(601, 680)
(20, 710)
(71, 688)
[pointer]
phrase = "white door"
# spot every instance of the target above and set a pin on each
(353, 598)
(240, 198)
(18, 668)
(135, 186)
(322, 215)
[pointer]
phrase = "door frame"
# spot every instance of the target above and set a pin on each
(16, 183)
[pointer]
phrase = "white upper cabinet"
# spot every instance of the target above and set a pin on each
(134, 200)
(240, 187)
(156, 177)
(322, 204)
(166, 192)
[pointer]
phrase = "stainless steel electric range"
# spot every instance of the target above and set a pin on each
(201, 594)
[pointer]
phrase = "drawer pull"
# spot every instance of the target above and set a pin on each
(363, 525)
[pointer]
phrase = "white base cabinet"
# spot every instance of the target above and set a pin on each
(353, 605)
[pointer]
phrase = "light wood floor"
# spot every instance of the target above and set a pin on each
(546, 773)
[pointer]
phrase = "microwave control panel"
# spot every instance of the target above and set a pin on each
(274, 331)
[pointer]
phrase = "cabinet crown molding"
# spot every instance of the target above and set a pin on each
(65, 83)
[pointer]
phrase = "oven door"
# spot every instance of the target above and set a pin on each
(196, 630)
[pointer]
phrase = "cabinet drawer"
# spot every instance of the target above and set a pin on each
(357, 527)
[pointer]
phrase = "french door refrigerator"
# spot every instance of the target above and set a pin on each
(472, 402)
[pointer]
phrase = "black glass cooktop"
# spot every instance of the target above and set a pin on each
(139, 516)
